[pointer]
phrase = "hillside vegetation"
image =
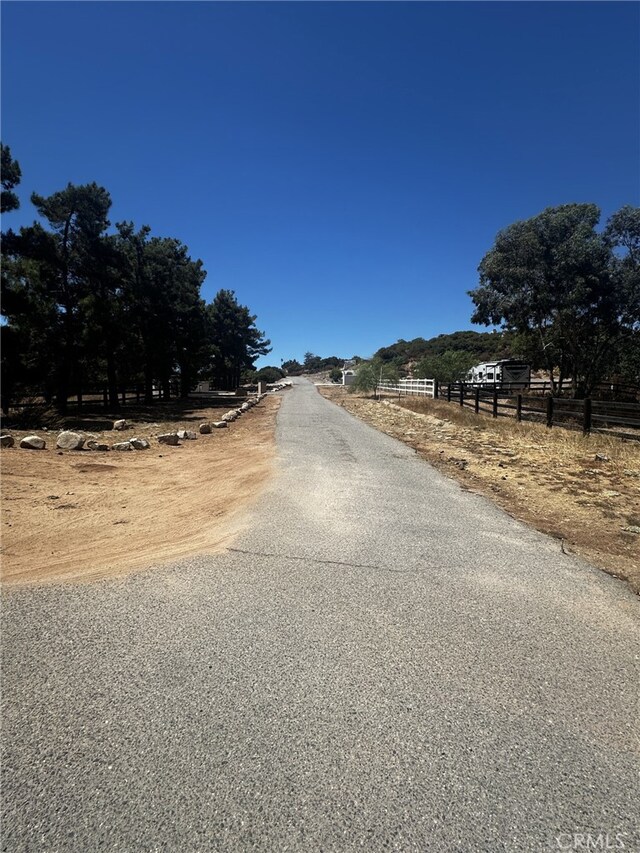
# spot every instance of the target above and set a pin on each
(483, 346)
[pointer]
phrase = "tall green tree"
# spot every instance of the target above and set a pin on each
(10, 174)
(13, 369)
(144, 334)
(167, 326)
(312, 363)
(30, 332)
(84, 307)
(48, 275)
(78, 219)
(370, 374)
(292, 367)
(235, 340)
(549, 278)
(623, 236)
(451, 366)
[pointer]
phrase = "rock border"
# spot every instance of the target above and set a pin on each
(74, 442)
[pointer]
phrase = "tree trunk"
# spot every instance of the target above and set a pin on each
(62, 392)
(148, 384)
(185, 381)
(548, 361)
(112, 382)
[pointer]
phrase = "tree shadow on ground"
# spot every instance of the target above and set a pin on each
(93, 415)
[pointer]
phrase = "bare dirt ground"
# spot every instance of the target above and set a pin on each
(82, 515)
(584, 490)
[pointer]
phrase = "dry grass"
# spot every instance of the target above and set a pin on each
(584, 490)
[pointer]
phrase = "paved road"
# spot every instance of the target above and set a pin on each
(383, 662)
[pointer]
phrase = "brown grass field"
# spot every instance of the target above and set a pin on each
(584, 490)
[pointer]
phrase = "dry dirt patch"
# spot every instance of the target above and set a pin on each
(85, 515)
(584, 490)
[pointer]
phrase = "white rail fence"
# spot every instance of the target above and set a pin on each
(409, 387)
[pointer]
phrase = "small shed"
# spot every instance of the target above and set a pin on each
(348, 372)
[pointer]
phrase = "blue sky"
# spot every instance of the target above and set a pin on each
(342, 166)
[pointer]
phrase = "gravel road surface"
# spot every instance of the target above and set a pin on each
(383, 661)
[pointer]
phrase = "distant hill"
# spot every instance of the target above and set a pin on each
(483, 346)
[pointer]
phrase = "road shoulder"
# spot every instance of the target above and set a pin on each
(584, 491)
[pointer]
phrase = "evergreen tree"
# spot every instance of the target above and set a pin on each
(234, 339)
(553, 279)
(11, 174)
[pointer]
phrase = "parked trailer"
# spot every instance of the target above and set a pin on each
(516, 374)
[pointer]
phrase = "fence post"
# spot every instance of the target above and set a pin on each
(494, 411)
(448, 393)
(519, 407)
(436, 389)
(549, 412)
(462, 393)
(476, 402)
(137, 393)
(105, 399)
(586, 426)
(124, 397)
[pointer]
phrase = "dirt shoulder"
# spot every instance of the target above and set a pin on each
(584, 490)
(82, 515)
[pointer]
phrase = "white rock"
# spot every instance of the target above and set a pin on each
(7, 441)
(120, 425)
(122, 445)
(92, 444)
(139, 443)
(219, 424)
(169, 438)
(33, 442)
(69, 440)
(186, 434)
(245, 407)
(205, 429)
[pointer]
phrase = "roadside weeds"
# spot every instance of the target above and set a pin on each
(583, 490)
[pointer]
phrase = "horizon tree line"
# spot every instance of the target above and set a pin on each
(86, 306)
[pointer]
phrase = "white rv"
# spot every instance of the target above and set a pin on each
(508, 371)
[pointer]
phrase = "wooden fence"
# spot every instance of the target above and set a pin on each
(430, 388)
(621, 419)
(93, 398)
